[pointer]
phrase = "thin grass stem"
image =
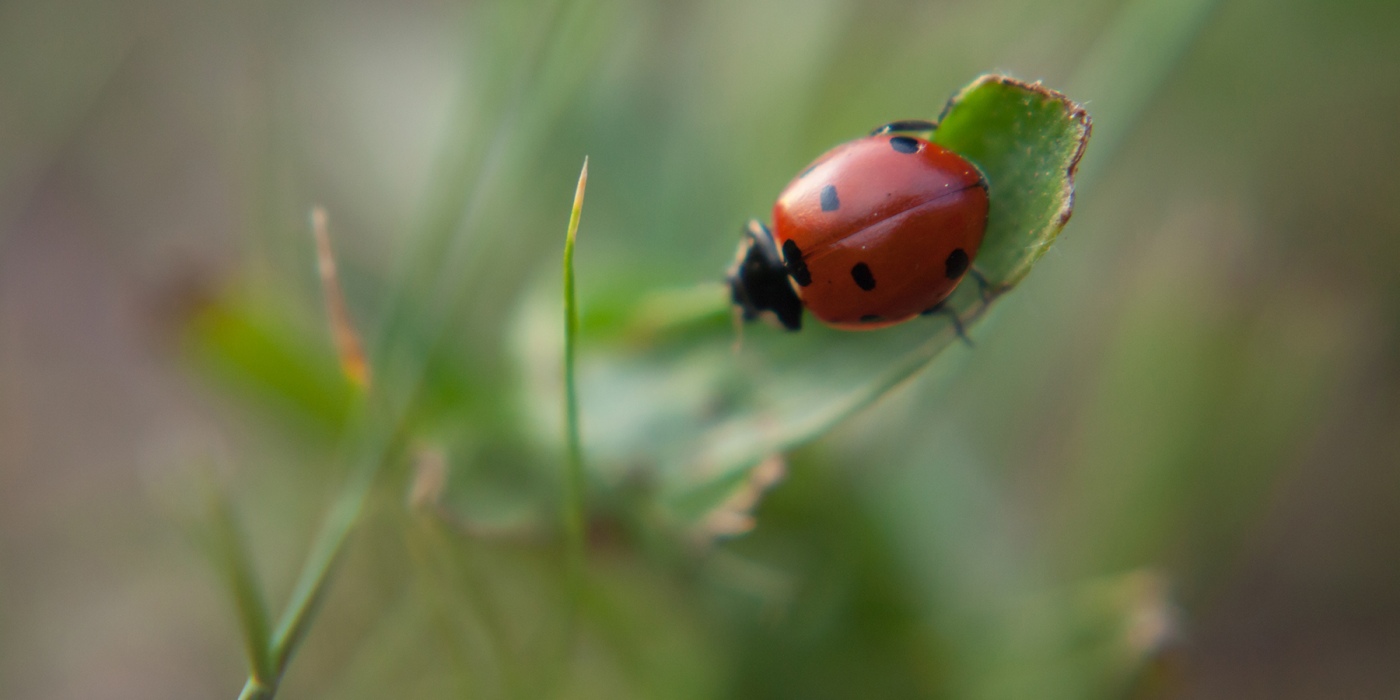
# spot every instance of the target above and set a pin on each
(573, 471)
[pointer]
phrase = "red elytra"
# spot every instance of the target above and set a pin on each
(880, 229)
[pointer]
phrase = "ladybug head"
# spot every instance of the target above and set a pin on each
(758, 282)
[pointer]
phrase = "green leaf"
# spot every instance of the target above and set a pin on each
(263, 355)
(283, 366)
(1028, 139)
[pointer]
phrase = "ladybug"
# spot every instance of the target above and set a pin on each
(874, 232)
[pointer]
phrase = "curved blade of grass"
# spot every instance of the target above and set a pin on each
(1028, 140)
(310, 589)
(231, 556)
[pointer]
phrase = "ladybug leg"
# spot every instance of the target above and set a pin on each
(942, 308)
(913, 125)
(984, 288)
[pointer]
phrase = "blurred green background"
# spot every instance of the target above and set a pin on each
(1168, 468)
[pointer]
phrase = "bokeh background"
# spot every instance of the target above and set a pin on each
(1170, 466)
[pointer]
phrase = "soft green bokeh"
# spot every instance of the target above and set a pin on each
(1166, 467)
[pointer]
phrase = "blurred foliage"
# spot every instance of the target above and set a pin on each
(1006, 627)
(1065, 509)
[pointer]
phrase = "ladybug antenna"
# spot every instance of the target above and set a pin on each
(906, 126)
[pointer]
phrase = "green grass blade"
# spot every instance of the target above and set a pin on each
(231, 556)
(326, 550)
(573, 474)
(572, 505)
(311, 584)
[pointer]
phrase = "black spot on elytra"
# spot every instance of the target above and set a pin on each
(870, 318)
(796, 266)
(904, 144)
(956, 264)
(830, 202)
(861, 274)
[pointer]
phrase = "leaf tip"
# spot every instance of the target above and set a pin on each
(578, 201)
(1074, 114)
